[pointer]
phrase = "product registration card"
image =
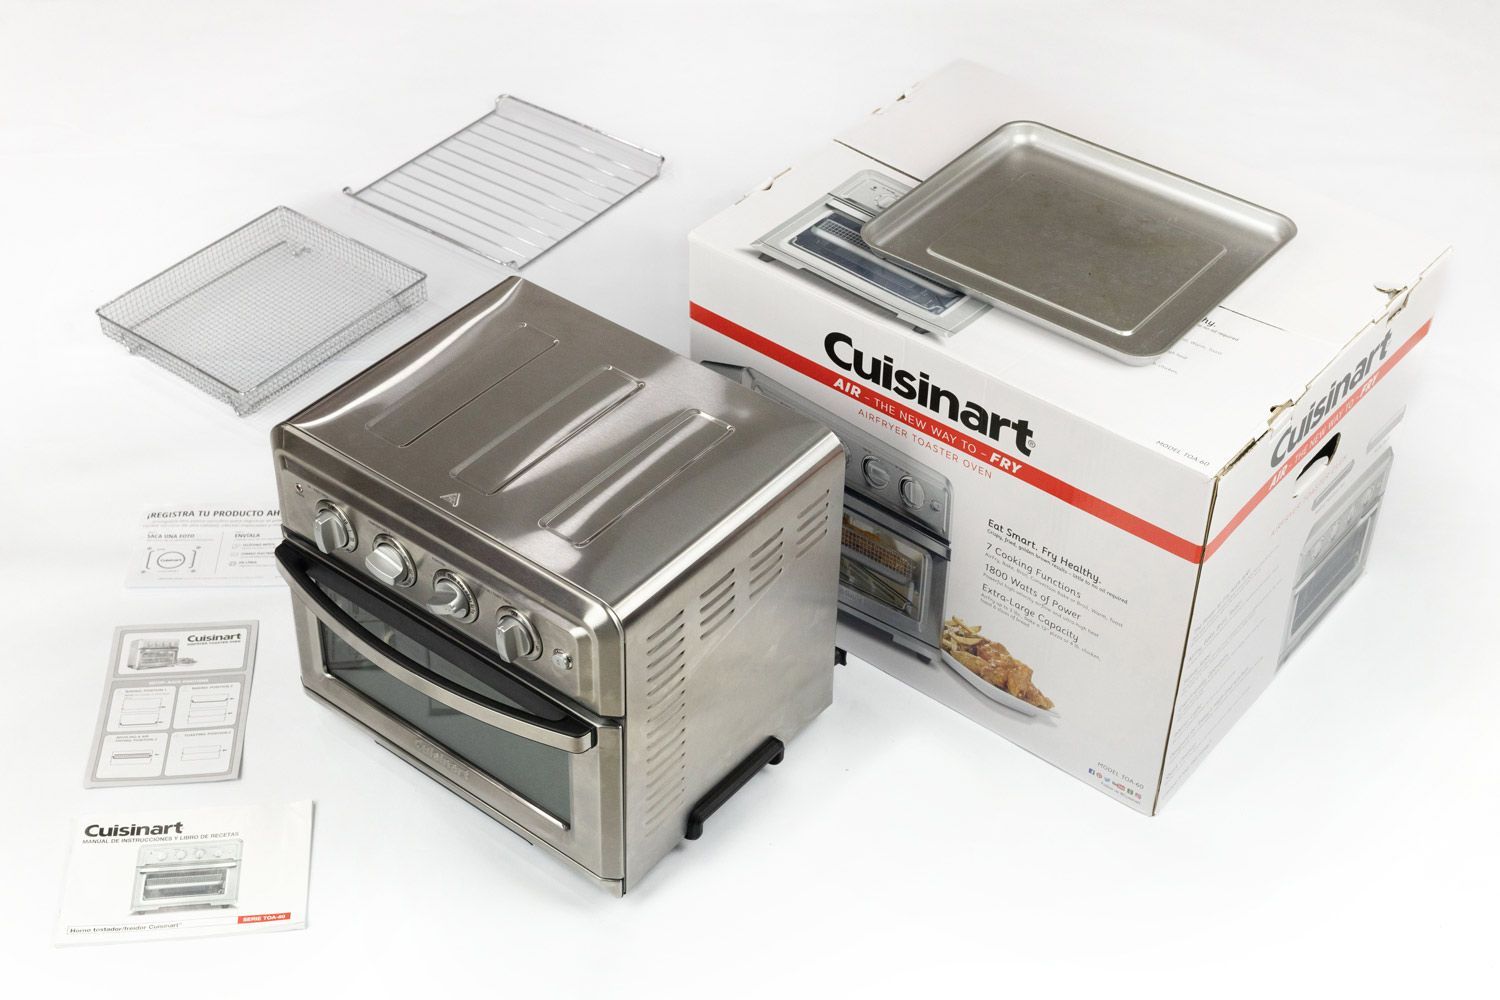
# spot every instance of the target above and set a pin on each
(206, 546)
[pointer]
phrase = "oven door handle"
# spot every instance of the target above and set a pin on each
(571, 739)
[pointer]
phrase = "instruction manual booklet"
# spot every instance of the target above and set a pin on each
(148, 874)
(174, 705)
(206, 546)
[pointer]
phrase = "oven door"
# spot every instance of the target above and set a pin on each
(548, 770)
(892, 573)
(161, 887)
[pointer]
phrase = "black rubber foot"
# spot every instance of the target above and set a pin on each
(772, 751)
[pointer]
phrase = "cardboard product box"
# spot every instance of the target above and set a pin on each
(1103, 562)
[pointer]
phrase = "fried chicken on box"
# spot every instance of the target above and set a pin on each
(991, 662)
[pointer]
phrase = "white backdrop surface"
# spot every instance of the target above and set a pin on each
(1341, 836)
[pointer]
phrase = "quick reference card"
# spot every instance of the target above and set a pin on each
(174, 704)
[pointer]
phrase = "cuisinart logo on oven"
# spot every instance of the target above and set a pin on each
(920, 389)
(1339, 391)
(131, 830)
(439, 759)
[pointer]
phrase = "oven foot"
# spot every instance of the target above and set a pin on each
(840, 656)
(769, 752)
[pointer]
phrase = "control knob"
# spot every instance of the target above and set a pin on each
(876, 475)
(515, 639)
(331, 530)
(451, 598)
(912, 493)
(389, 563)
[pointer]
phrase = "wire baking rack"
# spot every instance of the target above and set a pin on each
(513, 184)
(247, 316)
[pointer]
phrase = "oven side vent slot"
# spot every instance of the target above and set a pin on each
(666, 721)
(812, 525)
(717, 605)
(765, 564)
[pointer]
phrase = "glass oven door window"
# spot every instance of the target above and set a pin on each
(538, 773)
(883, 567)
(189, 884)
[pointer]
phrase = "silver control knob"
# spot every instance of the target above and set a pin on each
(331, 530)
(912, 494)
(515, 639)
(389, 563)
(876, 474)
(451, 598)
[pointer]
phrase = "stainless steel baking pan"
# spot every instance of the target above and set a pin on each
(1116, 253)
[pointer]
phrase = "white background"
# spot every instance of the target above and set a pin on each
(1341, 836)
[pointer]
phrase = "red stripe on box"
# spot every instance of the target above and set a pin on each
(1024, 471)
(1184, 548)
(1316, 438)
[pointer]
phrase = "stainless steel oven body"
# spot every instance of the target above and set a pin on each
(894, 550)
(183, 876)
(824, 239)
(1337, 547)
(565, 572)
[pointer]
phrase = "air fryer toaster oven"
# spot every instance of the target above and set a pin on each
(152, 654)
(1337, 548)
(184, 876)
(575, 578)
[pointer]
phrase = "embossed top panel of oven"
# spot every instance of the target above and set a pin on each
(590, 450)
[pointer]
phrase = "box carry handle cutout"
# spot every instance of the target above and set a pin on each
(1317, 466)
